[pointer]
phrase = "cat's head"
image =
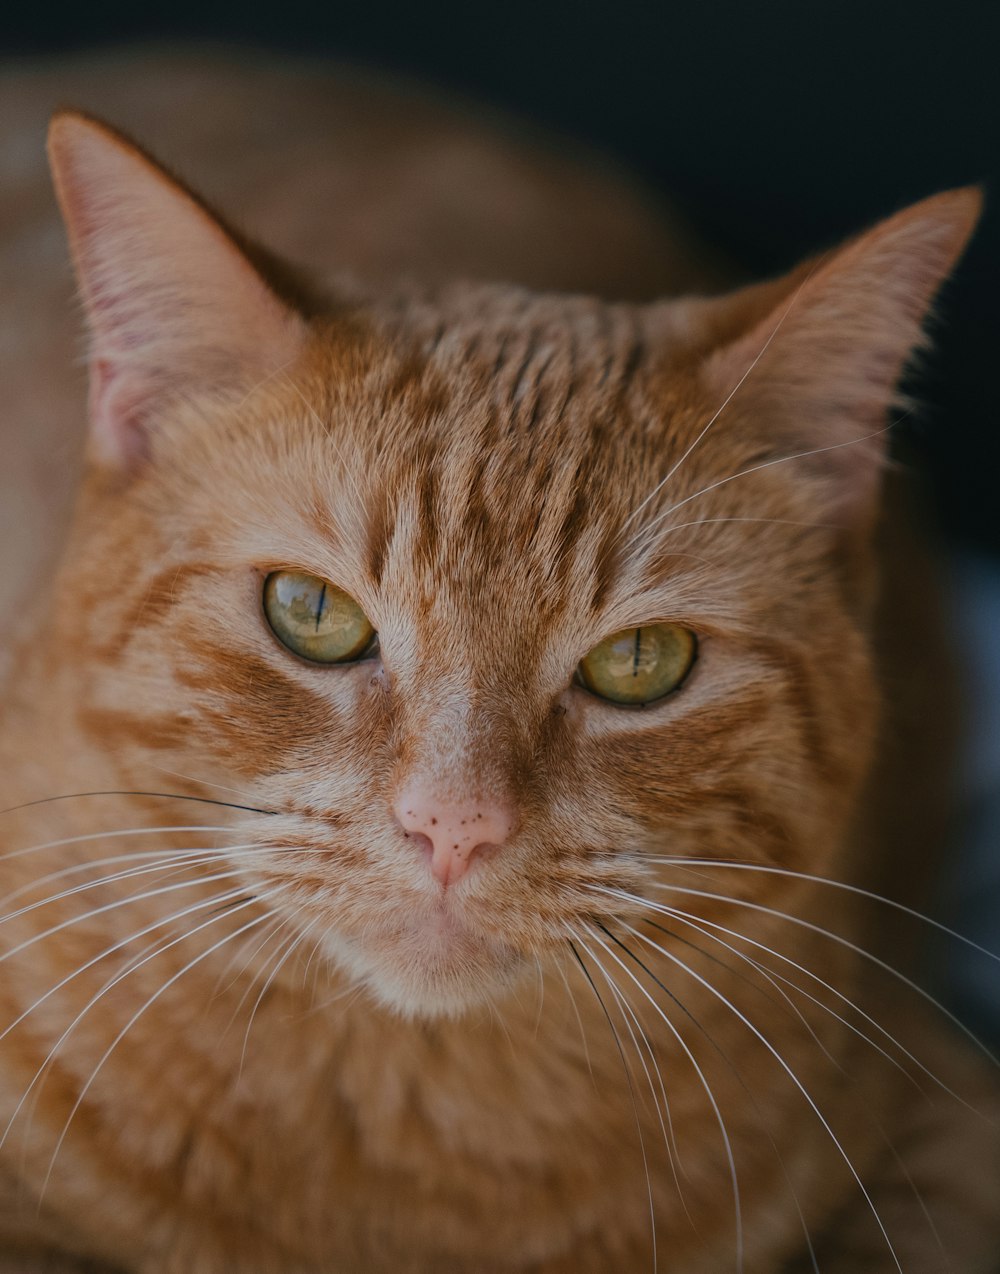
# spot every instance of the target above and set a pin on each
(492, 598)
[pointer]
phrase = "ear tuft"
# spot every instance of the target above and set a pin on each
(173, 304)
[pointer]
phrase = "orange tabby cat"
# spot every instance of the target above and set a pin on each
(506, 658)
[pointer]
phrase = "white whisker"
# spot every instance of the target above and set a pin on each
(162, 860)
(154, 860)
(769, 975)
(221, 787)
(849, 945)
(725, 403)
(702, 1079)
(628, 1077)
(756, 468)
(579, 1021)
(211, 902)
(541, 995)
(735, 1071)
(112, 835)
(682, 526)
(248, 959)
(116, 946)
(111, 906)
(291, 945)
(858, 890)
(139, 1012)
(699, 923)
(669, 1138)
(785, 1067)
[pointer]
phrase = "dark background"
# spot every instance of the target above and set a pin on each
(778, 127)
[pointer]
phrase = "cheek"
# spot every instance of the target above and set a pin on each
(250, 711)
(713, 777)
(254, 713)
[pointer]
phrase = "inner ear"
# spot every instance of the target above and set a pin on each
(118, 405)
(174, 304)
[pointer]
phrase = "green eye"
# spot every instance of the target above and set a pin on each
(639, 665)
(316, 619)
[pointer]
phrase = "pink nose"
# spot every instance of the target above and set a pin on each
(453, 831)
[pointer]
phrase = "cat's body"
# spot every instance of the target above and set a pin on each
(514, 1070)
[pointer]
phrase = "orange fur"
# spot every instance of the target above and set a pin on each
(326, 1062)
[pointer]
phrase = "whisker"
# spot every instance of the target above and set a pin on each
(683, 526)
(858, 890)
(348, 993)
(227, 906)
(107, 987)
(129, 962)
(579, 1021)
(685, 917)
(727, 1144)
(696, 922)
(728, 1061)
(163, 861)
(921, 1202)
(236, 894)
(110, 906)
(628, 1077)
(168, 796)
(765, 464)
(296, 942)
(278, 923)
(286, 945)
(625, 1006)
(155, 860)
(135, 1017)
(498, 1020)
(725, 403)
(112, 835)
(849, 945)
(190, 778)
(786, 1068)
(722, 964)
(316, 948)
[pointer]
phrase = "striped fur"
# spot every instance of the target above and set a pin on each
(539, 1070)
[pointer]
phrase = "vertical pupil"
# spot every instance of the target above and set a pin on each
(319, 606)
(638, 648)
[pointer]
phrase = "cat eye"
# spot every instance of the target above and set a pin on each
(639, 665)
(315, 619)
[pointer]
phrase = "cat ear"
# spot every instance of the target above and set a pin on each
(173, 304)
(823, 353)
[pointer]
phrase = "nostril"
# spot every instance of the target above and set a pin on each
(421, 842)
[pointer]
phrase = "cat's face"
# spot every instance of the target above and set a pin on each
(481, 473)
(476, 503)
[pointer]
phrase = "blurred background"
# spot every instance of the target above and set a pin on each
(777, 128)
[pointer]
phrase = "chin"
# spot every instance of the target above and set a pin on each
(417, 973)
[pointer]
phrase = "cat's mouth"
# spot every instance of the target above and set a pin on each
(429, 962)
